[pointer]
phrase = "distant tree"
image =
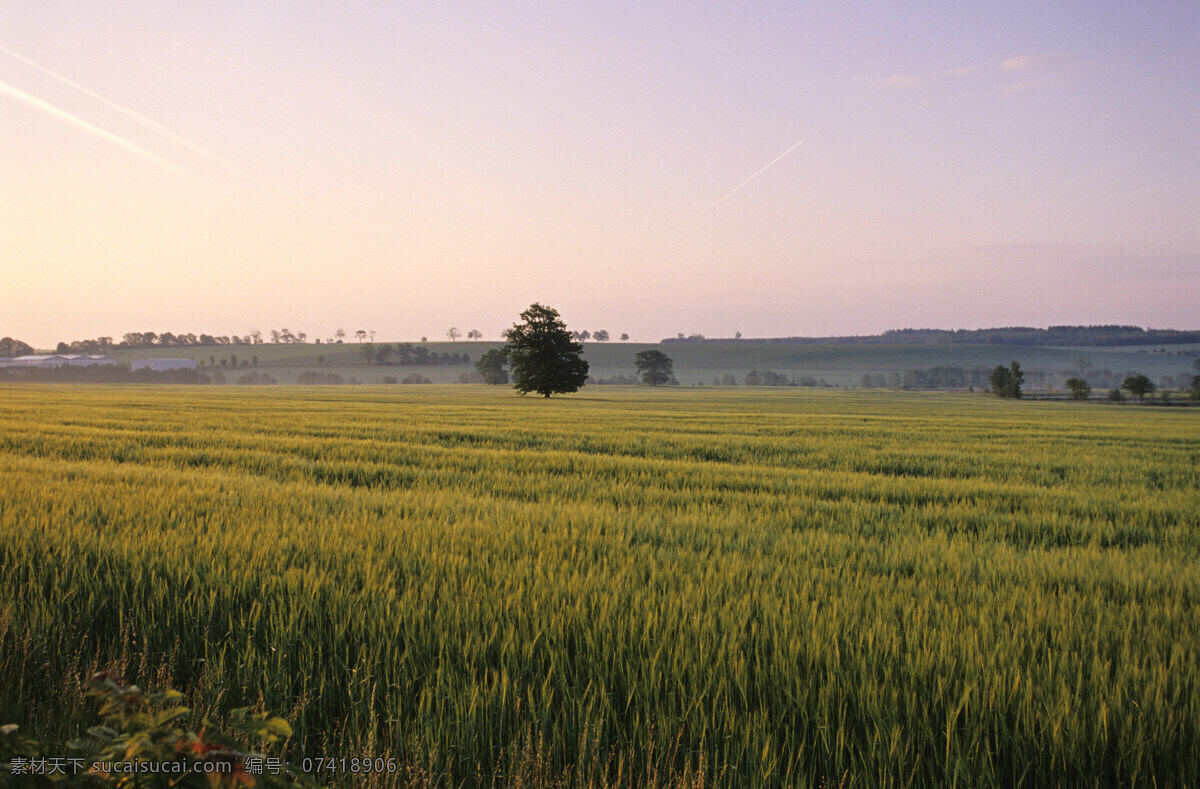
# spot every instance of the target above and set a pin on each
(474, 334)
(254, 361)
(600, 335)
(371, 334)
(256, 336)
(301, 337)
(367, 352)
(1079, 388)
(585, 335)
(493, 367)
(1138, 385)
(654, 367)
(1007, 382)
(339, 335)
(1116, 396)
(361, 335)
(737, 335)
(624, 337)
(383, 353)
(772, 378)
(1196, 364)
(11, 347)
(424, 339)
(542, 356)
(453, 333)
(275, 336)
(233, 359)
(1194, 390)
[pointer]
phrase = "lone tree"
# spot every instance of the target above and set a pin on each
(542, 355)
(1138, 385)
(1007, 382)
(1079, 388)
(655, 367)
(492, 366)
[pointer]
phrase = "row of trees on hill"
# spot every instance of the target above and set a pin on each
(151, 339)
(1065, 336)
(407, 353)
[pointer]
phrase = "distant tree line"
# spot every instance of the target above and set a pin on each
(11, 347)
(1108, 379)
(600, 335)
(150, 340)
(1094, 336)
(107, 374)
(408, 354)
(622, 380)
(310, 378)
(948, 378)
(772, 378)
(933, 378)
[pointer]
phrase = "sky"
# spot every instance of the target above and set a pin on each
(770, 168)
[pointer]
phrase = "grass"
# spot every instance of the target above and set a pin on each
(743, 588)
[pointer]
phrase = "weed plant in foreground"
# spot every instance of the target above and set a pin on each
(622, 587)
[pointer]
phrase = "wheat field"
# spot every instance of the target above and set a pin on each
(623, 587)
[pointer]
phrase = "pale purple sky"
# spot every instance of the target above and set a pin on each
(407, 167)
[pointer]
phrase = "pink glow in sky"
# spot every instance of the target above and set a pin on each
(404, 167)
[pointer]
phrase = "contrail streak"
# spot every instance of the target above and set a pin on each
(766, 167)
(63, 115)
(142, 119)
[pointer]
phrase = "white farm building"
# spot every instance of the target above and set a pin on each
(164, 364)
(59, 360)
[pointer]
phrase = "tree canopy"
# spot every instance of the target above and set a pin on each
(654, 367)
(1138, 385)
(542, 356)
(491, 366)
(11, 347)
(1080, 389)
(1007, 382)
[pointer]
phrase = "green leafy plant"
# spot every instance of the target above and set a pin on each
(142, 742)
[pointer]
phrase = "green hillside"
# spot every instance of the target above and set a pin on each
(695, 363)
